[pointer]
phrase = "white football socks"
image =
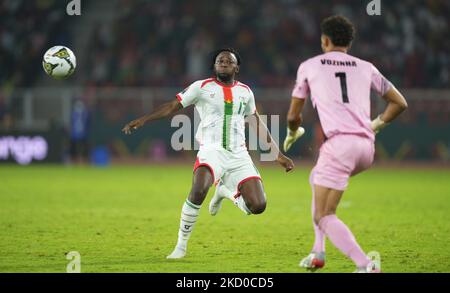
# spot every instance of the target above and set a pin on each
(239, 201)
(189, 214)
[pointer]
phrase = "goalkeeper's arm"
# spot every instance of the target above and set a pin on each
(294, 120)
(396, 105)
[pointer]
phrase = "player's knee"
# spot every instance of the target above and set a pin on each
(317, 217)
(199, 193)
(258, 207)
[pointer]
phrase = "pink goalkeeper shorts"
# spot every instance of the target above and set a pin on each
(341, 157)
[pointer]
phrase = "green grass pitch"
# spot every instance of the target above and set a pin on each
(125, 219)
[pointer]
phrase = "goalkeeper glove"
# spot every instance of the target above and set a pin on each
(378, 124)
(291, 137)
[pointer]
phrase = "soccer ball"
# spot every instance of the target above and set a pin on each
(59, 62)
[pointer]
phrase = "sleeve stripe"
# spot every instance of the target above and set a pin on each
(179, 98)
(244, 86)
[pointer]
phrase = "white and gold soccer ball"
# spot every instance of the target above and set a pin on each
(59, 62)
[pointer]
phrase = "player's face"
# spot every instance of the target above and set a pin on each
(226, 66)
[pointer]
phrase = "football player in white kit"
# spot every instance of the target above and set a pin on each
(222, 103)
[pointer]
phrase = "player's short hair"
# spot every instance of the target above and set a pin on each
(231, 50)
(339, 29)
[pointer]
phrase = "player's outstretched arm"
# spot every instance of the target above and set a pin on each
(281, 158)
(162, 111)
(294, 120)
(396, 105)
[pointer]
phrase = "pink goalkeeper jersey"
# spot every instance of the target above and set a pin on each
(339, 85)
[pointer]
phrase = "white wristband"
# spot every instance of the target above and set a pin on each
(378, 124)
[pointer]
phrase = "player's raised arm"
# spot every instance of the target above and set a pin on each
(281, 158)
(162, 111)
(396, 105)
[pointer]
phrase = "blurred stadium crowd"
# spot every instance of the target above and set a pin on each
(26, 29)
(166, 43)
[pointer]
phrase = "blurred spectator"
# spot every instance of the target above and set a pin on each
(79, 132)
(166, 43)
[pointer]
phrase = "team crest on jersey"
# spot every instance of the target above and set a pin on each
(212, 95)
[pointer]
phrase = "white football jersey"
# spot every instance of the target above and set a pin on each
(222, 111)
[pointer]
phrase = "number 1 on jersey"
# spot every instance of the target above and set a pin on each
(343, 77)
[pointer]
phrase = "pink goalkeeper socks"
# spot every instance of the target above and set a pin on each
(319, 236)
(341, 236)
(319, 240)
